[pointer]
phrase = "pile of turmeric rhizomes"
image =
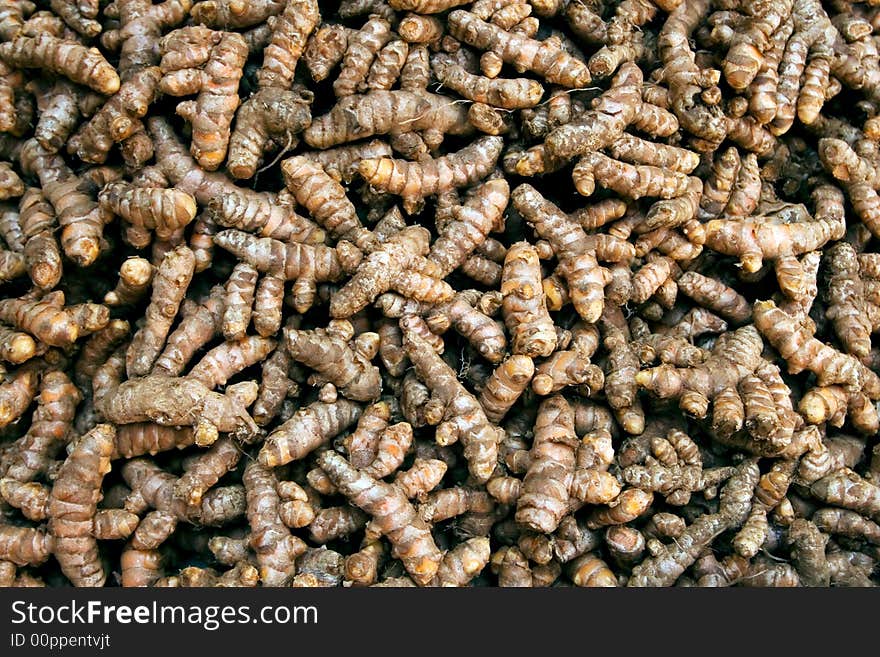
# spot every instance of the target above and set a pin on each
(438, 293)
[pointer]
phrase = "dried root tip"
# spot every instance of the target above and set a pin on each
(16, 347)
(628, 506)
(751, 537)
(416, 28)
(296, 513)
(626, 544)
(135, 276)
(362, 567)
(504, 490)
(590, 571)
(825, 404)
